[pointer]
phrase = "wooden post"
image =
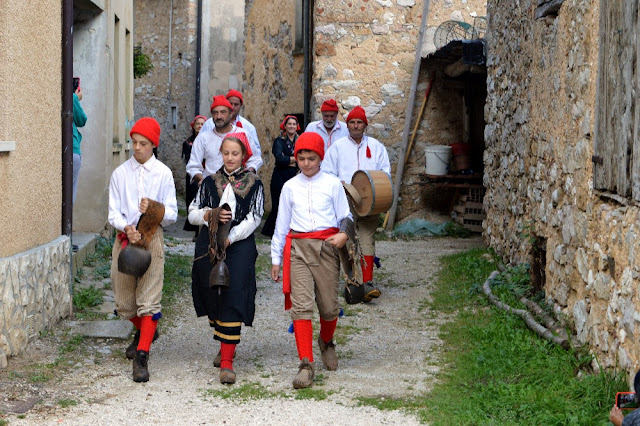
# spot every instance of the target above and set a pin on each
(407, 117)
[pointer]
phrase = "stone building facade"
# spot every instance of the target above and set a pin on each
(167, 31)
(364, 54)
(546, 90)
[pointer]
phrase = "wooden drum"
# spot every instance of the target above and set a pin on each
(375, 189)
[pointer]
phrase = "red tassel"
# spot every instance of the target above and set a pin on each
(368, 152)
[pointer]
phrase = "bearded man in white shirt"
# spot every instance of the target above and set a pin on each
(235, 99)
(346, 156)
(330, 128)
(206, 147)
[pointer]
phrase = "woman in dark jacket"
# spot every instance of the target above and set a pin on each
(286, 167)
(190, 189)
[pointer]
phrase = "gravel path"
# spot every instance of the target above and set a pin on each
(386, 349)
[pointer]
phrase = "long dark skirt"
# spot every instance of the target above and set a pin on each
(237, 304)
(190, 191)
(279, 177)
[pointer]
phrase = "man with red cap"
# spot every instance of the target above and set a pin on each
(141, 185)
(347, 155)
(330, 128)
(206, 147)
(235, 99)
(312, 224)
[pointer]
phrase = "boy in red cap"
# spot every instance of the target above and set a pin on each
(330, 128)
(347, 155)
(136, 184)
(313, 216)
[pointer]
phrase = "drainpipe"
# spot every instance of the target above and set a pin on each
(169, 94)
(198, 58)
(67, 116)
(307, 7)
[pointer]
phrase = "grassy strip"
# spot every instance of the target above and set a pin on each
(497, 371)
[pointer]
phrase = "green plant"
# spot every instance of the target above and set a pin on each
(247, 392)
(87, 297)
(453, 229)
(141, 62)
(65, 403)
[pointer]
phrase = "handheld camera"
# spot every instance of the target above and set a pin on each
(76, 83)
(626, 400)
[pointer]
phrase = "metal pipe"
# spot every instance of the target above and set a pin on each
(307, 46)
(67, 117)
(169, 93)
(198, 58)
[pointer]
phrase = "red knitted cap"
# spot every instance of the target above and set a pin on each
(329, 105)
(220, 101)
(149, 128)
(358, 112)
(310, 141)
(234, 93)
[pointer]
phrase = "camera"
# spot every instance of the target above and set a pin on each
(76, 83)
(626, 400)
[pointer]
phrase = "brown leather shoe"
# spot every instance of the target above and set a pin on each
(140, 369)
(370, 292)
(131, 350)
(227, 377)
(328, 354)
(304, 378)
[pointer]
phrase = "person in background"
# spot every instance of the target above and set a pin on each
(241, 190)
(330, 128)
(633, 418)
(79, 120)
(237, 102)
(354, 152)
(191, 189)
(285, 168)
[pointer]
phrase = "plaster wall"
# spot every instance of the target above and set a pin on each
(274, 85)
(540, 115)
(364, 54)
(102, 54)
(30, 176)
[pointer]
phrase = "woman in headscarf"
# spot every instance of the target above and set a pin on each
(190, 189)
(285, 168)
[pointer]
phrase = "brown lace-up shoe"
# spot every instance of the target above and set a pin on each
(140, 369)
(133, 347)
(227, 376)
(304, 378)
(328, 354)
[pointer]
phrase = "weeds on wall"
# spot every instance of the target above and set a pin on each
(141, 62)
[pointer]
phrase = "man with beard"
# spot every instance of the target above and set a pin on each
(235, 99)
(206, 147)
(330, 128)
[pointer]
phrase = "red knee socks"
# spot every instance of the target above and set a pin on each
(303, 330)
(147, 330)
(327, 328)
(226, 355)
(367, 269)
(136, 322)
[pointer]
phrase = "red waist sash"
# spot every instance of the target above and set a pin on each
(286, 261)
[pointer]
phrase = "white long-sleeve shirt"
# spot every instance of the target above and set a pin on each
(250, 129)
(207, 147)
(346, 156)
(339, 131)
(241, 230)
(308, 204)
(131, 182)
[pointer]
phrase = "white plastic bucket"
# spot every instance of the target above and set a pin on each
(438, 158)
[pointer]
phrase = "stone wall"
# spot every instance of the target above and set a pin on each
(34, 294)
(540, 120)
(168, 92)
(364, 54)
(273, 85)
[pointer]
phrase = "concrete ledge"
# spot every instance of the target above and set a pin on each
(86, 243)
